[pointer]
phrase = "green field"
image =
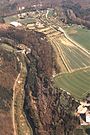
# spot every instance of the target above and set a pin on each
(80, 35)
(23, 21)
(27, 20)
(76, 83)
(75, 58)
(10, 19)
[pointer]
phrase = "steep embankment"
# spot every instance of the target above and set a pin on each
(48, 110)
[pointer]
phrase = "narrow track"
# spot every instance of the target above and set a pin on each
(13, 102)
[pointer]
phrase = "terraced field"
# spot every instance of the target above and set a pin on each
(75, 65)
(80, 35)
(76, 83)
(72, 56)
(75, 58)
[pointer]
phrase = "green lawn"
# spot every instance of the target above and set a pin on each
(27, 20)
(23, 21)
(10, 19)
(80, 35)
(77, 83)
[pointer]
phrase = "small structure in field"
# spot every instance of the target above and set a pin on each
(84, 113)
(88, 117)
(16, 24)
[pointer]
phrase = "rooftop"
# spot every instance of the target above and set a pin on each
(16, 24)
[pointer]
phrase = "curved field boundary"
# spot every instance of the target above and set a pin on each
(72, 59)
(61, 55)
(76, 44)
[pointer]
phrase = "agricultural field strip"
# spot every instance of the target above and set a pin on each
(59, 58)
(76, 44)
(78, 52)
(68, 60)
(70, 82)
(83, 79)
(83, 86)
(73, 45)
(49, 31)
(67, 87)
(74, 70)
(71, 40)
(80, 36)
(76, 58)
(53, 34)
(65, 61)
(44, 29)
(78, 65)
(75, 50)
(60, 54)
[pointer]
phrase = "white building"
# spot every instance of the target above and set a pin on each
(16, 24)
(88, 117)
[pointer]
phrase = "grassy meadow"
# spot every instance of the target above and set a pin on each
(76, 83)
(80, 35)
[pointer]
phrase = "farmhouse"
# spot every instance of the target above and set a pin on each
(84, 113)
(88, 117)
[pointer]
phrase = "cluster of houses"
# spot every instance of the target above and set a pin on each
(84, 112)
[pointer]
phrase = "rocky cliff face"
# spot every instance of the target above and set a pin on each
(48, 110)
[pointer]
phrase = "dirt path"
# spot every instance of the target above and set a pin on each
(20, 123)
(13, 102)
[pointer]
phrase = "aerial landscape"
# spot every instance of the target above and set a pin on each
(45, 67)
